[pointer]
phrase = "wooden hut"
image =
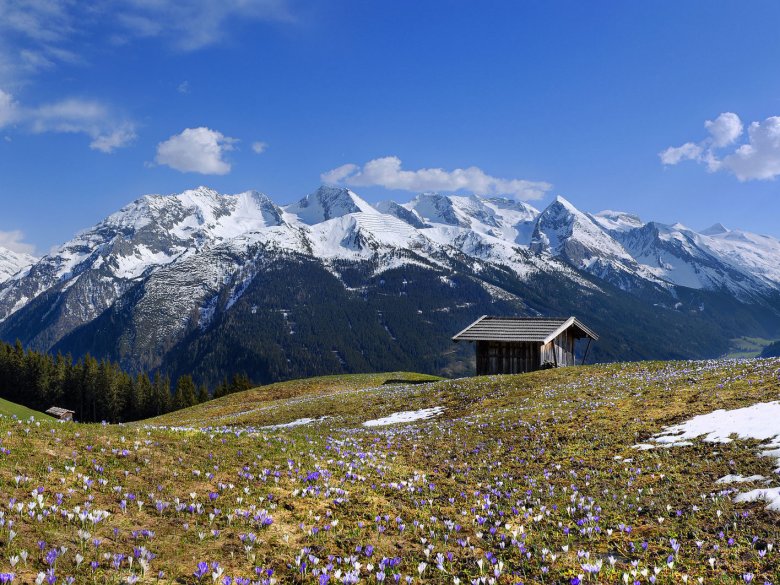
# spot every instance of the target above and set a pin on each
(61, 413)
(513, 345)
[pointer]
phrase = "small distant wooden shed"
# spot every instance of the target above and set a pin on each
(61, 413)
(513, 345)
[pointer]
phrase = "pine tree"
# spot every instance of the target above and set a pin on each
(141, 399)
(89, 383)
(223, 389)
(185, 393)
(161, 402)
(239, 383)
(203, 394)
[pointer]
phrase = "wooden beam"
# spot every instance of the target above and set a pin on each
(587, 347)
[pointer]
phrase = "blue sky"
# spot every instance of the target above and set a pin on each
(103, 102)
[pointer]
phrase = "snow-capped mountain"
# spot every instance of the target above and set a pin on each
(12, 262)
(741, 263)
(563, 231)
(86, 275)
(150, 282)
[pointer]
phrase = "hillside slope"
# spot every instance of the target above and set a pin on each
(544, 477)
(246, 408)
(8, 408)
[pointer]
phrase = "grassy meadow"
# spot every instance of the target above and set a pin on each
(11, 409)
(514, 479)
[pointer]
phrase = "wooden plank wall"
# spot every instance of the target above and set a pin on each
(560, 351)
(496, 357)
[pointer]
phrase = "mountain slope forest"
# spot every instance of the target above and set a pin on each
(96, 390)
(213, 285)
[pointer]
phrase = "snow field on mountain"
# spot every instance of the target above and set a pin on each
(12, 262)
(183, 255)
(169, 227)
(172, 226)
(142, 259)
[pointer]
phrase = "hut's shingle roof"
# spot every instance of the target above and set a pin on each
(536, 329)
(57, 411)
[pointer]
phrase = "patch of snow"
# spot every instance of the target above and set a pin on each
(11, 263)
(619, 221)
(753, 254)
(435, 208)
(715, 230)
(388, 229)
(327, 203)
(142, 258)
(739, 478)
(769, 495)
(296, 423)
(759, 421)
(564, 231)
(405, 416)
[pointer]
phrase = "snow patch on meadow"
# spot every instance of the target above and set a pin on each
(760, 421)
(739, 478)
(769, 495)
(405, 416)
(296, 423)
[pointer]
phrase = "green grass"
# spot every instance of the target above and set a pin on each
(535, 471)
(257, 405)
(746, 347)
(12, 409)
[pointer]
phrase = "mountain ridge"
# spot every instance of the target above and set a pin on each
(166, 269)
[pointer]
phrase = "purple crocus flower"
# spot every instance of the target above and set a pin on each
(201, 571)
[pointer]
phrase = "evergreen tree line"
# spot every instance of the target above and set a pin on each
(98, 390)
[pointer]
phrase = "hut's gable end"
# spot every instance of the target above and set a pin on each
(560, 351)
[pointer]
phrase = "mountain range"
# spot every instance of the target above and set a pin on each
(216, 284)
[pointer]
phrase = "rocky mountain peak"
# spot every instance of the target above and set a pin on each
(12, 262)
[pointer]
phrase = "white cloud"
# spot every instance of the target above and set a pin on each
(339, 174)
(74, 116)
(197, 23)
(33, 35)
(42, 20)
(387, 172)
(80, 116)
(259, 147)
(14, 241)
(118, 138)
(37, 35)
(8, 108)
(758, 158)
(725, 129)
(196, 150)
(184, 87)
(676, 154)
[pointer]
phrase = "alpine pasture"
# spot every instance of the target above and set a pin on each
(559, 476)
